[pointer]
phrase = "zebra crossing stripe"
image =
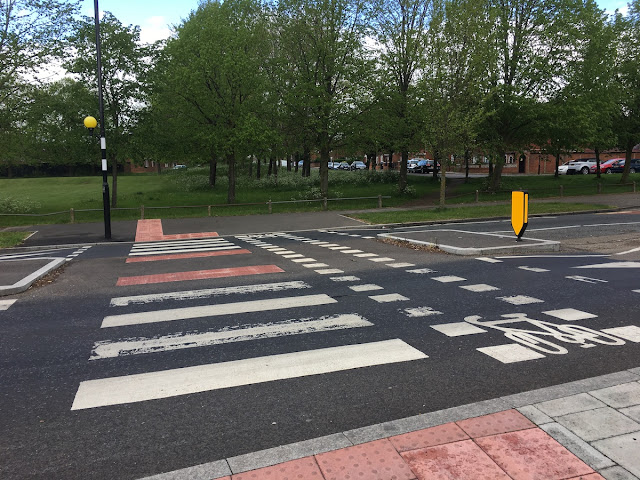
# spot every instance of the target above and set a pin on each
(178, 256)
(172, 250)
(207, 293)
(166, 343)
(202, 378)
(205, 241)
(185, 313)
(197, 275)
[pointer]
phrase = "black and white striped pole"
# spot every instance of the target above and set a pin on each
(90, 123)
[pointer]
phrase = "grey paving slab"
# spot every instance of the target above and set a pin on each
(635, 371)
(624, 450)
(632, 412)
(285, 453)
(535, 415)
(616, 473)
(620, 396)
(205, 471)
(570, 404)
(598, 424)
(581, 449)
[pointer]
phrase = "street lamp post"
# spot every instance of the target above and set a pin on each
(103, 141)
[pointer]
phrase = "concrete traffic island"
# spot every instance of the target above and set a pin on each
(462, 242)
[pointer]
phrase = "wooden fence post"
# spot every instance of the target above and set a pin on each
(270, 207)
(477, 196)
(379, 201)
(561, 191)
(141, 212)
(72, 214)
(324, 203)
(209, 210)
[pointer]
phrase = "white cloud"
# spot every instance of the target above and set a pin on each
(153, 29)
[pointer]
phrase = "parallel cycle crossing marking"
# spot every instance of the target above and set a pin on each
(198, 275)
(202, 378)
(207, 293)
(177, 341)
(215, 310)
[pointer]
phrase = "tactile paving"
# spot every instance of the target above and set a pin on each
(462, 460)
(301, 469)
(501, 422)
(371, 461)
(429, 437)
(532, 455)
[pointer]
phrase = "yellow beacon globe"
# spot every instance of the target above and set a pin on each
(90, 122)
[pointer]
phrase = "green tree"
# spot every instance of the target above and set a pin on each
(329, 68)
(627, 117)
(30, 39)
(124, 62)
(402, 28)
(215, 73)
(532, 43)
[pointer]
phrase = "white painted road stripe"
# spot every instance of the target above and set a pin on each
(381, 259)
(137, 346)
(534, 269)
(448, 279)
(5, 304)
(629, 251)
(209, 292)
(203, 378)
(206, 241)
(304, 260)
(215, 310)
(329, 271)
(479, 287)
(520, 300)
(349, 278)
(365, 288)
(489, 260)
(181, 250)
(570, 314)
(390, 297)
(401, 265)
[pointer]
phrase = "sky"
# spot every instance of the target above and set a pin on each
(156, 16)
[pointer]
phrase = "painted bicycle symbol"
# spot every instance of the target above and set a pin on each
(541, 339)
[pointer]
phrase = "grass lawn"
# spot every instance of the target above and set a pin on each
(480, 211)
(12, 239)
(49, 200)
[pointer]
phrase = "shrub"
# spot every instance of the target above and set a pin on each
(13, 205)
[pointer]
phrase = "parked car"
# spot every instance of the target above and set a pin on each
(333, 165)
(605, 167)
(358, 165)
(619, 166)
(426, 166)
(412, 165)
(344, 166)
(179, 166)
(562, 169)
(583, 166)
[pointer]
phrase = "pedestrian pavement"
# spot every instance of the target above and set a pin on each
(587, 429)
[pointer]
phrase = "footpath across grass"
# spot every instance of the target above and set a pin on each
(12, 239)
(459, 213)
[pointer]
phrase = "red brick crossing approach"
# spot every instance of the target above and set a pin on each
(151, 231)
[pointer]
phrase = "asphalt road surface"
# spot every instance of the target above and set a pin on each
(144, 358)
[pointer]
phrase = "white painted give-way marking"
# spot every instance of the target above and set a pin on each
(136, 346)
(202, 378)
(215, 310)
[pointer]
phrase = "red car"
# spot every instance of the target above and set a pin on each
(605, 167)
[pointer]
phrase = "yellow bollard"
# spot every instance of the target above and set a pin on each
(519, 212)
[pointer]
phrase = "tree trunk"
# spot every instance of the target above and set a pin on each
(494, 183)
(289, 160)
(324, 166)
(231, 193)
(443, 184)
(371, 161)
(436, 159)
(158, 168)
(467, 157)
(114, 182)
(213, 170)
(402, 182)
(270, 170)
(258, 168)
(627, 161)
(306, 160)
(296, 161)
(557, 173)
(597, 151)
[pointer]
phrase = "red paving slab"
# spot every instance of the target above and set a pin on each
(462, 460)
(447, 433)
(177, 256)
(197, 275)
(151, 231)
(532, 455)
(301, 469)
(369, 461)
(501, 422)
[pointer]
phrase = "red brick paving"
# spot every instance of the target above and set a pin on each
(177, 256)
(197, 275)
(151, 231)
(503, 445)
